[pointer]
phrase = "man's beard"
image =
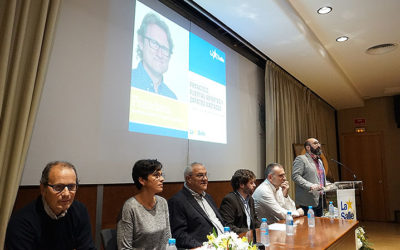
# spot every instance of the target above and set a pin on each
(316, 151)
(248, 191)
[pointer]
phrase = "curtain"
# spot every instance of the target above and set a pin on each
(26, 35)
(293, 114)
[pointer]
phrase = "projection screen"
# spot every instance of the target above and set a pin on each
(84, 112)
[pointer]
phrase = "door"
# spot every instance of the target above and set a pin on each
(363, 154)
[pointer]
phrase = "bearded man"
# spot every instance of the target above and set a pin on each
(237, 207)
(309, 175)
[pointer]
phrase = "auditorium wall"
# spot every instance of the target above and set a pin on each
(379, 117)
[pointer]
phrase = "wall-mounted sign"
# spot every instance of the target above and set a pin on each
(359, 122)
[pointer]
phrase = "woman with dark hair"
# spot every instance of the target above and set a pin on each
(144, 220)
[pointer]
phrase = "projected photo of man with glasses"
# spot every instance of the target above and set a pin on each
(154, 50)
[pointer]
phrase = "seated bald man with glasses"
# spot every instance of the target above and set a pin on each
(192, 212)
(154, 50)
(54, 220)
(271, 198)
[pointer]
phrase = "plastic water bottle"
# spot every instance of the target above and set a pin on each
(264, 233)
(331, 210)
(289, 223)
(311, 236)
(226, 230)
(171, 244)
(311, 217)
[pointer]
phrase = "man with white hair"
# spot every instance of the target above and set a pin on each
(192, 212)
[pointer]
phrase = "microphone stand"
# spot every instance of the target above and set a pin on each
(344, 166)
(254, 234)
(259, 246)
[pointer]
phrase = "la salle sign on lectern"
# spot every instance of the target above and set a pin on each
(346, 200)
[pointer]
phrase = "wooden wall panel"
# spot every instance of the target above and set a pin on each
(363, 154)
(378, 114)
(114, 197)
(87, 194)
(25, 195)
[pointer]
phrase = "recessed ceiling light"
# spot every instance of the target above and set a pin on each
(342, 39)
(324, 10)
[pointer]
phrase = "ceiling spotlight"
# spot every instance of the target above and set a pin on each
(342, 39)
(324, 10)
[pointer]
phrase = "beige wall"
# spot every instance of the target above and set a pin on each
(379, 115)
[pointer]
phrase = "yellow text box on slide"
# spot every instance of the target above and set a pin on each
(156, 110)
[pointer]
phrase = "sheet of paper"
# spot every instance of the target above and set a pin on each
(279, 226)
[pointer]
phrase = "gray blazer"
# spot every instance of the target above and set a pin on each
(304, 174)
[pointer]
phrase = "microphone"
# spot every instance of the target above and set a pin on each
(348, 169)
(259, 245)
(254, 233)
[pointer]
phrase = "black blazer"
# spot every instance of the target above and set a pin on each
(189, 223)
(233, 212)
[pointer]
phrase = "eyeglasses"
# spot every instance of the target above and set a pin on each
(158, 175)
(60, 187)
(201, 176)
(316, 143)
(155, 45)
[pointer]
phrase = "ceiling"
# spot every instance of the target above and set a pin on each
(303, 42)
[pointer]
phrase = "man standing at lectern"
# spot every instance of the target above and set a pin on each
(309, 175)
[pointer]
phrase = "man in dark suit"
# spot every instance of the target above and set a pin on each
(192, 212)
(237, 207)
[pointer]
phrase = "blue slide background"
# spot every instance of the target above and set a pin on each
(202, 63)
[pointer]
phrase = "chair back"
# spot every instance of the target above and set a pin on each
(109, 238)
